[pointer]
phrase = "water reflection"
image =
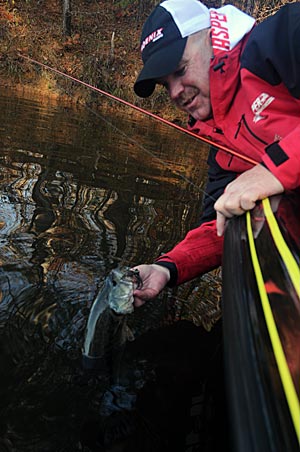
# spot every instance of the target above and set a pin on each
(81, 193)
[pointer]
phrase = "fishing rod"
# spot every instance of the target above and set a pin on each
(141, 110)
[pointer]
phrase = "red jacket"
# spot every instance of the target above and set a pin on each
(255, 97)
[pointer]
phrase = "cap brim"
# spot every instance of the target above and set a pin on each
(159, 65)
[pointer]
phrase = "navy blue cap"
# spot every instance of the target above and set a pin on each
(164, 37)
(162, 47)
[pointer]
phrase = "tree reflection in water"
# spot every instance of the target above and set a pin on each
(78, 199)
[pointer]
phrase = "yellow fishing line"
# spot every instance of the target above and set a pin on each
(286, 255)
(284, 372)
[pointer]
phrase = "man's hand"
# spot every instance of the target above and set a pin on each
(241, 194)
(155, 278)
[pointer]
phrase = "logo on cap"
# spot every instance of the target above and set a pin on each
(154, 36)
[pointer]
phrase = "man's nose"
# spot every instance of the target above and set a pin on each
(175, 89)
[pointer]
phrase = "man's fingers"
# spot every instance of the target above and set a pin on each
(228, 207)
(139, 299)
(143, 295)
(242, 194)
(221, 219)
(247, 203)
(230, 204)
(138, 302)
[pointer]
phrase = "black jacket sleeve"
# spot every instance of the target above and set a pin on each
(218, 178)
(273, 49)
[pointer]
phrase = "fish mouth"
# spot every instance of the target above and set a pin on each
(134, 273)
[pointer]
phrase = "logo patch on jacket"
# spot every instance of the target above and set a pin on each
(260, 104)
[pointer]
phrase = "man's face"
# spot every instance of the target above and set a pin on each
(188, 86)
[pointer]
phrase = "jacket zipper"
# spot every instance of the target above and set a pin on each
(243, 120)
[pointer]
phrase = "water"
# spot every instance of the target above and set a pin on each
(82, 192)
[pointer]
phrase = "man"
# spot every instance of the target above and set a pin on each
(240, 84)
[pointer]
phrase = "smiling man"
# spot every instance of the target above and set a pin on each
(240, 85)
(188, 85)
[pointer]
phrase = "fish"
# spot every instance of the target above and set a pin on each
(106, 325)
(122, 283)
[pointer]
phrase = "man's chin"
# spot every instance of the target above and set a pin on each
(200, 116)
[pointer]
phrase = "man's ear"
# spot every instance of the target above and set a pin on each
(209, 35)
(208, 39)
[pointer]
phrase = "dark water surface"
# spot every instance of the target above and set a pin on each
(82, 192)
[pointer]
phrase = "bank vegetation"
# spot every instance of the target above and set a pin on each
(95, 41)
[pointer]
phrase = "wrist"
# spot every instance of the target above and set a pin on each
(171, 268)
(164, 270)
